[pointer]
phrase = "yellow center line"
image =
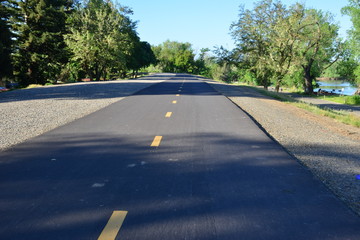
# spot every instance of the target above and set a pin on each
(174, 102)
(168, 114)
(113, 226)
(156, 141)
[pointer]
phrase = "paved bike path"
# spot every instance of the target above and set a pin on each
(213, 175)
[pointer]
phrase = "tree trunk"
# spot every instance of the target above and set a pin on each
(264, 82)
(277, 86)
(308, 87)
(34, 77)
(97, 73)
(123, 74)
(104, 73)
(308, 79)
(89, 72)
(91, 75)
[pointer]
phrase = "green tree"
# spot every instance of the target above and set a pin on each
(174, 56)
(101, 38)
(353, 10)
(202, 63)
(227, 67)
(41, 47)
(6, 43)
(344, 67)
(276, 41)
(141, 57)
(318, 45)
(252, 32)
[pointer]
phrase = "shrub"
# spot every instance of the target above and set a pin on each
(354, 100)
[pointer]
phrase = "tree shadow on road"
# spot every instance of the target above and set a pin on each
(101, 90)
(204, 186)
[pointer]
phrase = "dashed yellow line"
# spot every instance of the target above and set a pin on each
(174, 102)
(168, 114)
(156, 141)
(113, 226)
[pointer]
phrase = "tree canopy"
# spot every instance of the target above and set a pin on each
(100, 37)
(45, 41)
(174, 56)
(40, 28)
(6, 42)
(352, 61)
(276, 40)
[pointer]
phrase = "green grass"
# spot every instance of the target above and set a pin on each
(275, 95)
(350, 100)
(340, 116)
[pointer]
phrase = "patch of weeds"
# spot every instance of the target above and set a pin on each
(349, 100)
(34, 86)
(353, 100)
(340, 116)
(275, 95)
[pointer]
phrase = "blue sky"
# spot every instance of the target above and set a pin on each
(205, 23)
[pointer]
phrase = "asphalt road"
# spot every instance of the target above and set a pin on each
(174, 161)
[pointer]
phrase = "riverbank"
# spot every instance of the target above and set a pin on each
(329, 149)
(336, 86)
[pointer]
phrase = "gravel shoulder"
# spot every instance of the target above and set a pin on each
(27, 113)
(329, 149)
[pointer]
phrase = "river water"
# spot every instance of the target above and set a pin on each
(337, 86)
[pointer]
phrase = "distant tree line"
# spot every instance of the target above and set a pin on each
(43, 41)
(276, 45)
